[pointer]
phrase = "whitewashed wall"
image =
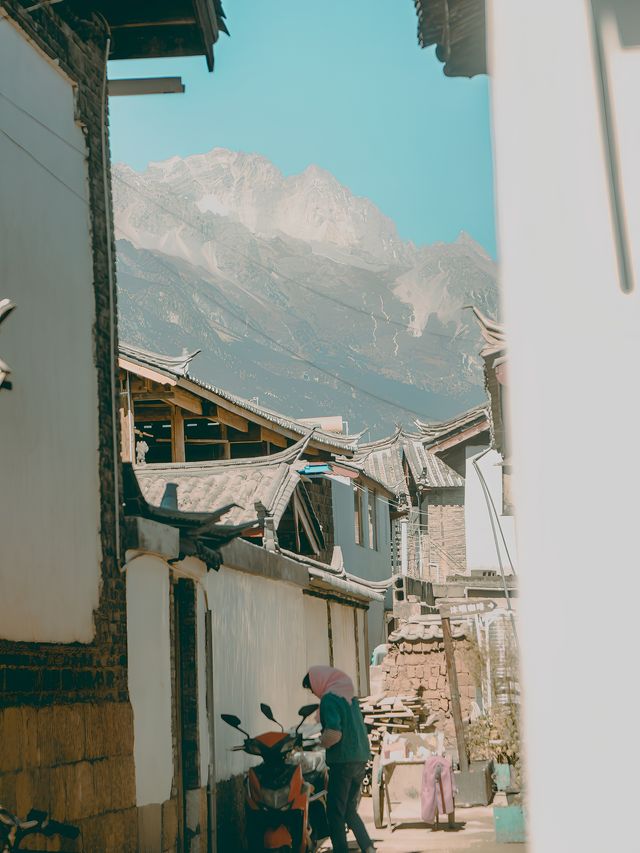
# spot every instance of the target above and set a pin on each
(574, 351)
(481, 547)
(150, 687)
(317, 631)
(49, 500)
(260, 655)
(344, 640)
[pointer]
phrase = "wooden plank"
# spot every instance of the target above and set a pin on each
(177, 435)
(454, 691)
(224, 416)
(126, 431)
(186, 401)
(146, 372)
(273, 437)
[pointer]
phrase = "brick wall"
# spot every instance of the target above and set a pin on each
(420, 667)
(66, 711)
(445, 542)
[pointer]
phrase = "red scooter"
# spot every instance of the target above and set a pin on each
(286, 794)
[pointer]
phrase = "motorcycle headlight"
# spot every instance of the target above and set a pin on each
(275, 799)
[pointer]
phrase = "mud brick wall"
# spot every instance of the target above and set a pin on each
(76, 762)
(420, 667)
(65, 717)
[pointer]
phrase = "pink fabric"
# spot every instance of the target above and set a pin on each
(432, 799)
(327, 679)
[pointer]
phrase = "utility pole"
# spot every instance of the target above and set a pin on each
(454, 690)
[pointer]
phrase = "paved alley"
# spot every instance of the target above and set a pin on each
(478, 835)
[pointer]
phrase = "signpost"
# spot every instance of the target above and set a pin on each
(449, 610)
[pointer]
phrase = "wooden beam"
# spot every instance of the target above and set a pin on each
(146, 372)
(177, 435)
(224, 416)
(126, 431)
(186, 401)
(273, 437)
(151, 416)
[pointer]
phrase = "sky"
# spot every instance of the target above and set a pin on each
(341, 84)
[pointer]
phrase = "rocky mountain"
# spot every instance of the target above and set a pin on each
(297, 291)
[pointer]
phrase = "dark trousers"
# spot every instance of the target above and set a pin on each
(343, 797)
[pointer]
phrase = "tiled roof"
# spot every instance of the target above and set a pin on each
(202, 486)
(495, 339)
(439, 431)
(420, 631)
(384, 460)
(180, 367)
(458, 29)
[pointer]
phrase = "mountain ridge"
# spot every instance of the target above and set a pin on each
(304, 275)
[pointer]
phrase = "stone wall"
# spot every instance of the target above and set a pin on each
(75, 761)
(66, 725)
(420, 667)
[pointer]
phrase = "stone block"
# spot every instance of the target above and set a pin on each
(58, 783)
(80, 795)
(11, 753)
(169, 824)
(24, 792)
(442, 682)
(108, 729)
(8, 791)
(30, 747)
(65, 727)
(420, 672)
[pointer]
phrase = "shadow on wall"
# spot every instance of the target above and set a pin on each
(232, 836)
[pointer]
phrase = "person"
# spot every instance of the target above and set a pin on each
(345, 739)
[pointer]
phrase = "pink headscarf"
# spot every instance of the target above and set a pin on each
(327, 679)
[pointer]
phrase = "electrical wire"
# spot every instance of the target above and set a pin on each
(354, 387)
(498, 552)
(42, 165)
(489, 496)
(368, 314)
(43, 125)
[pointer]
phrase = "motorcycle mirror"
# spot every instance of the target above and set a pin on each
(234, 722)
(266, 710)
(305, 712)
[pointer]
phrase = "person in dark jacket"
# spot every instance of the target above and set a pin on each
(345, 739)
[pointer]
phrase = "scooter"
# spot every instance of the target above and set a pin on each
(286, 794)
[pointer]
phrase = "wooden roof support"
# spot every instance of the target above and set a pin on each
(224, 416)
(273, 437)
(177, 435)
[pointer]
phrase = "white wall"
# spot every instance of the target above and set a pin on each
(481, 546)
(49, 501)
(150, 687)
(574, 351)
(260, 655)
(316, 631)
(344, 640)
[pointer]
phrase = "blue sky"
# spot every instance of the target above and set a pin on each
(341, 84)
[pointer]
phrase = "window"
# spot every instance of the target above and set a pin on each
(373, 519)
(357, 511)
